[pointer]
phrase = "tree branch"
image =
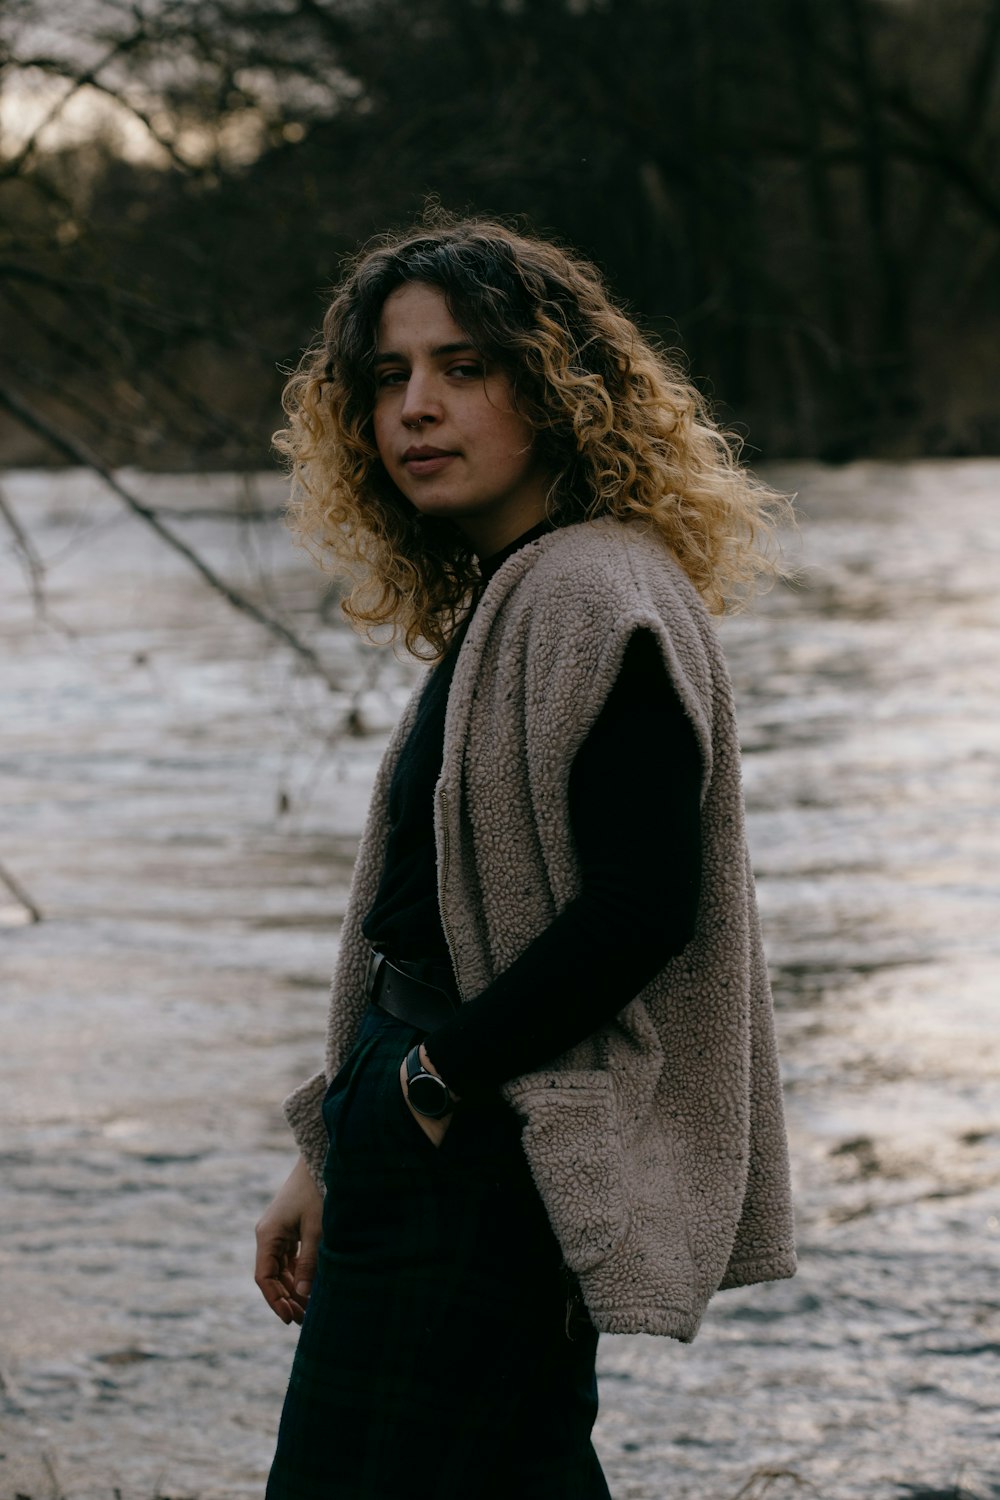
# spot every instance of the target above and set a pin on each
(77, 81)
(71, 448)
(20, 894)
(165, 320)
(33, 565)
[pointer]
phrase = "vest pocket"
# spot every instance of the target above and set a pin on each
(573, 1143)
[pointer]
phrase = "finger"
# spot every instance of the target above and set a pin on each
(269, 1275)
(296, 1300)
(304, 1268)
(277, 1299)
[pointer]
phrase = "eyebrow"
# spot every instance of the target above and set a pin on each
(463, 347)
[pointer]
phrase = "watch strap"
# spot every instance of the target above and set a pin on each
(413, 1063)
(416, 1069)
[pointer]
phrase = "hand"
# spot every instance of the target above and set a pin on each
(288, 1235)
(434, 1130)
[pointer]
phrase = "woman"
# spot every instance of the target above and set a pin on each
(551, 1103)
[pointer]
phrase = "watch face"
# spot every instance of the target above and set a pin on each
(428, 1095)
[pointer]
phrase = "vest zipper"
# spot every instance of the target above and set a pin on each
(445, 858)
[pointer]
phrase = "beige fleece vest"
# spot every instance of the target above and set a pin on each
(657, 1144)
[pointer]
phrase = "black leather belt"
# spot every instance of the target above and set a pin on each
(414, 1001)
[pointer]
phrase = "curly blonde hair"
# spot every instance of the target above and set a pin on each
(619, 429)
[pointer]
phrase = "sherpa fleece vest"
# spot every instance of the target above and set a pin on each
(658, 1143)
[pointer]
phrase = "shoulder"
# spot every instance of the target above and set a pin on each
(556, 621)
(608, 569)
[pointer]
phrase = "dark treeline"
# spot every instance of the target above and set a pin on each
(801, 195)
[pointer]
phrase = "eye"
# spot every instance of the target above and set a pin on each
(467, 370)
(391, 377)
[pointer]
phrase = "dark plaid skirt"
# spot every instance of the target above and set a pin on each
(443, 1355)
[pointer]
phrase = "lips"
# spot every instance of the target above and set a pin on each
(418, 454)
(424, 460)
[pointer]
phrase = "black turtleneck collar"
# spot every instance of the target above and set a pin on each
(490, 565)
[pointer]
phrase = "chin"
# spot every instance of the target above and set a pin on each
(441, 510)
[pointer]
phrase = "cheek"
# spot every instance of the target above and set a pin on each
(380, 432)
(520, 443)
(505, 436)
(509, 436)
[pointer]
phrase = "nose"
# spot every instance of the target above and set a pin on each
(421, 402)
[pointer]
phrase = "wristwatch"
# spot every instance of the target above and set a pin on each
(427, 1092)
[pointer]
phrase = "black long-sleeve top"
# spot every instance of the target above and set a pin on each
(634, 794)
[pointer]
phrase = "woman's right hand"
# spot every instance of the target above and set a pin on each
(288, 1234)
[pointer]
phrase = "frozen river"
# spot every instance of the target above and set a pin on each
(182, 803)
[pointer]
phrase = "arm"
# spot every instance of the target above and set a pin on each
(288, 1234)
(634, 805)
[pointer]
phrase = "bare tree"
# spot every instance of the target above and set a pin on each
(791, 190)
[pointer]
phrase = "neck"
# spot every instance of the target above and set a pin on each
(490, 534)
(492, 564)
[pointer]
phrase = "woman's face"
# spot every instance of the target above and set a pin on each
(445, 425)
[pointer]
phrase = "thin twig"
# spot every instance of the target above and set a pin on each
(90, 78)
(48, 1459)
(760, 1482)
(9, 1391)
(24, 549)
(72, 448)
(20, 894)
(77, 81)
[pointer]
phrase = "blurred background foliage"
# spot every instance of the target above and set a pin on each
(801, 195)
